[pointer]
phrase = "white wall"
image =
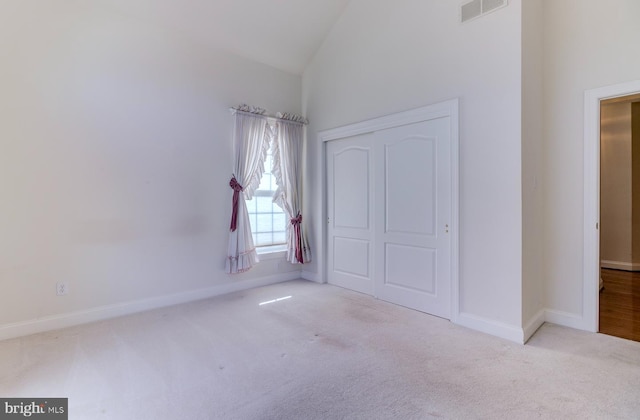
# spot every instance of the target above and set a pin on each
(115, 160)
(587, 44)
(532, 164)
(383, 57)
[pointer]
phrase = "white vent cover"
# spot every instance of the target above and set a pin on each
(471, 10)
(490, 5)
(476, 8)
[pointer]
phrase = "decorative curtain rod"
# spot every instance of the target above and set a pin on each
(252, 110)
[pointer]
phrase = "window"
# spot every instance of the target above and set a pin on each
(268, 221)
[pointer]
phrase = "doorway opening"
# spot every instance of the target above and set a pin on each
(619, 308)
(590, 319)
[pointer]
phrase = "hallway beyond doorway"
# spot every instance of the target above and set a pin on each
(620, 304)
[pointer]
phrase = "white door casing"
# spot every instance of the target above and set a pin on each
(589, 319)
(412, 244)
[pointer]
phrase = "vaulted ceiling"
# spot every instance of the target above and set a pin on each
(284, 34)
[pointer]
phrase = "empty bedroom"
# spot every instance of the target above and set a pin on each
(300, 209)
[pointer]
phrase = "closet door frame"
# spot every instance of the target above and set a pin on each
(449, 109)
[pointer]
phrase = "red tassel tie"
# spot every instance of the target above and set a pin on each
(298, 237)
(236, 196)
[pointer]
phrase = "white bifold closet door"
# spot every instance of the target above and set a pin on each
(389, 209)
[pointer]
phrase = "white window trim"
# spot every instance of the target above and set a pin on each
(272, 252)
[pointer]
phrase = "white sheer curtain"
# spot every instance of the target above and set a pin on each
(251, 139)
(287, 169)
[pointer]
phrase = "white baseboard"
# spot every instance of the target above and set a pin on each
(499, 329)
(308, 275)
(521, 336)
(619, 265)
(565, 319)
(532, 326)
(55, 322)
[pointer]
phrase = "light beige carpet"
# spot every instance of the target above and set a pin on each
(323, 353)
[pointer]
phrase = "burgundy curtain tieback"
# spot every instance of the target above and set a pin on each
(296, 221)
(236, 196)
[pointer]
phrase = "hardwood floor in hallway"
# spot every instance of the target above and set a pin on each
(620, 304)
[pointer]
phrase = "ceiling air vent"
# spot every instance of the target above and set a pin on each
(477, 8)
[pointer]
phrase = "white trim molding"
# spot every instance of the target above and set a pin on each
(565, 319)
(533, 325)
(489, 326)
(591, 248)
(56, 322)
(314, 277)
(443, 109)
(620, 265)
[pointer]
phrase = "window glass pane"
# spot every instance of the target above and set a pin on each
(265, 223)
(252, 219)
(279, 237)
(264, 204)
(268, 222)
(263, 239)
(279, 223)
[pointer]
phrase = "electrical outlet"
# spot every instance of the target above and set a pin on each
(61, 288)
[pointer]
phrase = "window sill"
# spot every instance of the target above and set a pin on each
(271, 252)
